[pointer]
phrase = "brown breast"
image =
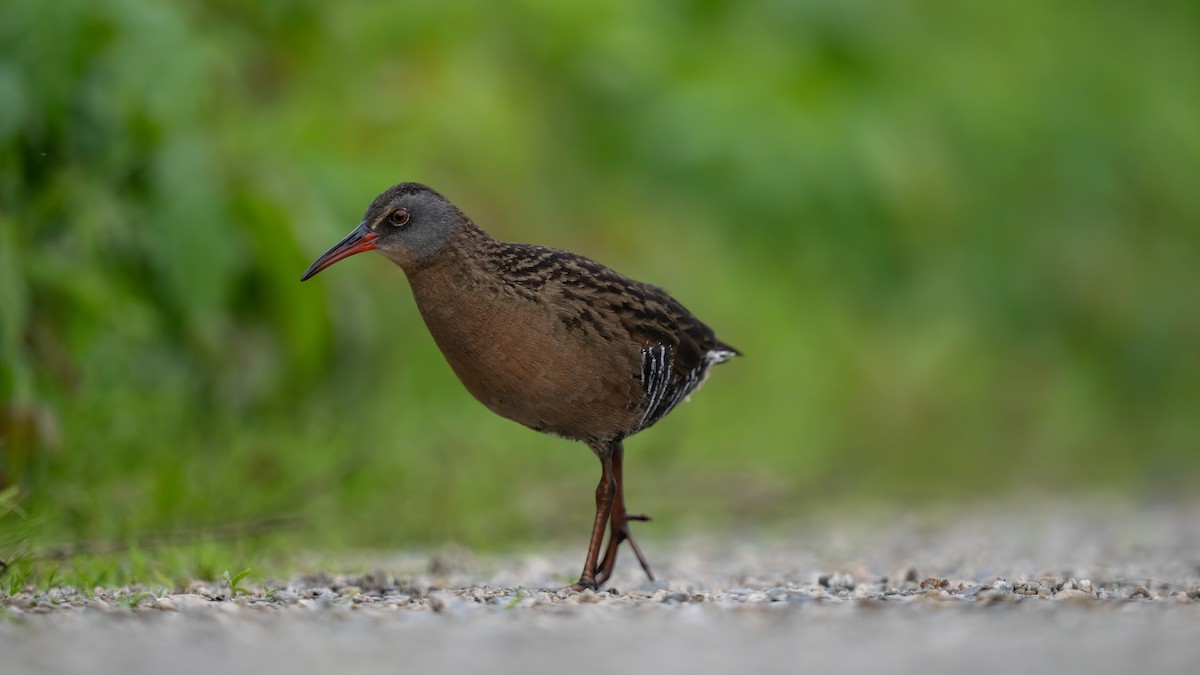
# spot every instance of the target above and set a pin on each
(517, 355)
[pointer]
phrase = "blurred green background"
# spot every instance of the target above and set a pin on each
(957, 242)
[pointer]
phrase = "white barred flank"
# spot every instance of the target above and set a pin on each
(663, 390)
(656, 379)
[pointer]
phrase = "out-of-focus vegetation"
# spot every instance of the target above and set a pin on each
(958, 243)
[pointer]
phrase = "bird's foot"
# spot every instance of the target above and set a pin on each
(622, 533)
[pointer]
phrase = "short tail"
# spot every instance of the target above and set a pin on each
(722, 352)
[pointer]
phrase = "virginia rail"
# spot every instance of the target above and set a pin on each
(546, 338)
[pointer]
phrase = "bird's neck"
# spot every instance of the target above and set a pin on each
(457, 273)
(459, 297)
(463, 252)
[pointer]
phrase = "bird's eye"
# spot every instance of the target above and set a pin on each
(398, 217)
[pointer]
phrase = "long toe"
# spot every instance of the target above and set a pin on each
(637, 551)
(605, 570)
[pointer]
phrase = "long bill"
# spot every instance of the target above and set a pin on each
(359, 240)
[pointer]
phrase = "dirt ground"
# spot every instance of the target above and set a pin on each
(1056, 588)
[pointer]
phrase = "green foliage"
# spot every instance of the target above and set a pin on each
(131, 600)
(233, 582)
(956, 241)
(516, 600)
(14, 535)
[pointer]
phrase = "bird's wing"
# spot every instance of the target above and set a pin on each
(676, 348)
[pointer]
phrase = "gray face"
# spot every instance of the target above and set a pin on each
(413, 223)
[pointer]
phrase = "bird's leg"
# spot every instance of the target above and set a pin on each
(605, 491)
(619, 530)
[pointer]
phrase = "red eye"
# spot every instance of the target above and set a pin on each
(398, 217)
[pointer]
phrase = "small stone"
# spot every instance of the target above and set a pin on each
(165, 604)
(1140, 592)
(993, 595)
(971, 591)
(190, 601)
(844, 580)
(1072, 594)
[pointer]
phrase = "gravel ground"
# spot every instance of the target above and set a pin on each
(1060, 588)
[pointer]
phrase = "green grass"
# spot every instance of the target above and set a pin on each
(234, 582)
(956, 243)
(150, 572)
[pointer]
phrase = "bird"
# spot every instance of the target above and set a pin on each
(547, 338)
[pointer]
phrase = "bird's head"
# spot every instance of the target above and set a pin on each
(409, 223)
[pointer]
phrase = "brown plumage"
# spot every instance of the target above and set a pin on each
(546, 338)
